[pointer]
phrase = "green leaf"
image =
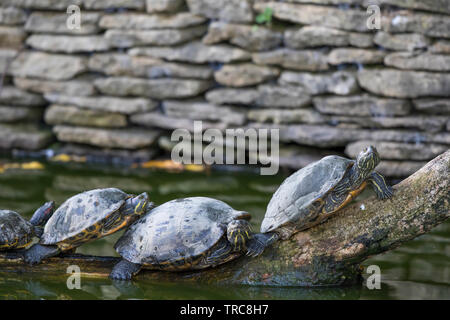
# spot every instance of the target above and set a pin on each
(264, 17)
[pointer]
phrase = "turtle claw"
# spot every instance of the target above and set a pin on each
(255, 248)
(251, 254)
(387, 193)
(381, 188)
(256, 254)
(390, 193)
(259, 242)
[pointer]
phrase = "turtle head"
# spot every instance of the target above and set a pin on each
(137, 205)
(41, 215)
(238, 233)
(367, 160)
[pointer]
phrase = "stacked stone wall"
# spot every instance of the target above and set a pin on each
(136, 70)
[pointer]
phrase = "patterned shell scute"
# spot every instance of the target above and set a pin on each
(293, 198)
(177, 229)
(81, 212)
(12, 226)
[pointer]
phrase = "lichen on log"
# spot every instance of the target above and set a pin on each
(328, 254)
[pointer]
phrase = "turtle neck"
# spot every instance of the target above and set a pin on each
(356, 175)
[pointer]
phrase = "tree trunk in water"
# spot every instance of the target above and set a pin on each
(328, 254)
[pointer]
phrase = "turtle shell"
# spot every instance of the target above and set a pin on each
(80, 212)
(293, 199)
(181, 228)
(15, 231)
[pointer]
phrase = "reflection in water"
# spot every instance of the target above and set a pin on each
(20, 288)
(420, 269)
(15, 288)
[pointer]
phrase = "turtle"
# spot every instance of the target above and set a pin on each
(84, 217)
(314, 193)
(182, 235)
(18, 233)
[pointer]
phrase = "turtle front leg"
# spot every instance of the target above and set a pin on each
(124, 270)
(239, 232)
(260, 242)
(38, 252)
(220, 253)
(380, 186)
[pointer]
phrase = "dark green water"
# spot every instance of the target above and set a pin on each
(419, 269)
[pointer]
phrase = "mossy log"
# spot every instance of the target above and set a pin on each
(328, 254)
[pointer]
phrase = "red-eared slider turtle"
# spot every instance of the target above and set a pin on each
(84, 217)
(183, 234)
(313, 193)
(16, 232)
